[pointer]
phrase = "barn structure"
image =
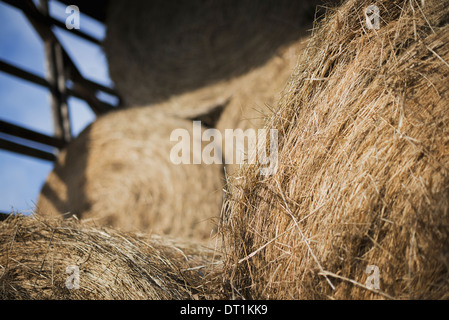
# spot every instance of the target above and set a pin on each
(63, 79)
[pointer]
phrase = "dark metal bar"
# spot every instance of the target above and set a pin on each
(60, 68)
(77, 32)
(98, 87)
(34, 16)
(87, 86)
(17, 131)
(55, 76)
(49, 21)
(14, 71)
(25, 150)
(45, 32)
(78, 91)
(63, 111)
(99, 107)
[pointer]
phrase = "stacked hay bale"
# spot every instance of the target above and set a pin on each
(65, 259)
(119, 172)
(242, 103)
(160, 49)
(191, 58)
(191, 63)
(363, 166)
(256, 95)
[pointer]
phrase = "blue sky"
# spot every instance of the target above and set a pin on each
(28, 105)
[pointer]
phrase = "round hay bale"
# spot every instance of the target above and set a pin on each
(255, 95)
(359, 205)
(64, 259)
(159, 49)
(119, 172)
(240, 103)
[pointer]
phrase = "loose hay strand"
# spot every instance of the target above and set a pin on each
(287, 209)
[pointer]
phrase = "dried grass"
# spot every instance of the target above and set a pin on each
(118, 171)
(363, 166)
(191, 58)
(112, 265)
(160, 49)
(255, 95)
(362, 180)
(245, 100)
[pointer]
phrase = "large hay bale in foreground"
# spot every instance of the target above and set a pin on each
(363, 172)
(119, 172)
(159, 49)
(255, 95)
(65, 259)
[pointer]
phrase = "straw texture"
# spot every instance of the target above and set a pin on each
(118, 171)
(363, 174)
(41, 256)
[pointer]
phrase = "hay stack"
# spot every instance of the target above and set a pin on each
(40, 259)
(160, 49)
(195, 59)
(240, 103)
(256, 94)
(363, 176)
(118, 171)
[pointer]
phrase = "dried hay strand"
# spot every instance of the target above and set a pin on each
(160, 49)
(119, 172)
(362, 175)
(40, 257)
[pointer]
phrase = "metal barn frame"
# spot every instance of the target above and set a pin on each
(60, 71)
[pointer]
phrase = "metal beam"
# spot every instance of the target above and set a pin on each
(49, 21)
(17, 72)
(85, 36)
(60, 69)
(25, 150)
(36, 18)
(55, 76)
(17, 131)
(78, 91)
